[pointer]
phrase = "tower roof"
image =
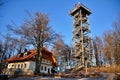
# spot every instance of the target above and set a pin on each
(78, 7)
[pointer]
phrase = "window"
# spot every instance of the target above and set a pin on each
(25, 65)
(15, 66)
(45, 68)
(21, 65)
(25, 54)
(41, 67)
(12, 66)
(9, 65)
(18, 65)
(21, 55)
(48, 71)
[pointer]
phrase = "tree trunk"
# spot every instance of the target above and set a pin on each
(38, 61)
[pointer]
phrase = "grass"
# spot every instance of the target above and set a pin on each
(112, 69)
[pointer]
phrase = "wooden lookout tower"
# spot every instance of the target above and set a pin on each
(82, 39)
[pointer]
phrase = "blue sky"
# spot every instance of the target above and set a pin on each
(104, 13)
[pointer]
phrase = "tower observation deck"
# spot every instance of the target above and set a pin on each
(82, 39)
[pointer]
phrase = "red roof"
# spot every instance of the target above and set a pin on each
(46, 54)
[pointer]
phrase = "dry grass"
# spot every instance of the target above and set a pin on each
(111, 69)
(93, 72)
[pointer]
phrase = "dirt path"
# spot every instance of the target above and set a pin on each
(108, 76)
(52, 78)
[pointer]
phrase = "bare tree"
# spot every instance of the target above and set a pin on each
(111, 46)
(62, 51)
(19, 44)
(68, 53)
(36, 31)
(108, 46)
(6, 49)
(97, 43)
(59, 47)
(116, 42)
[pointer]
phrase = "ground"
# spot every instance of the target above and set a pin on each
(94, 73)
(51, 78)
(105, 76)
